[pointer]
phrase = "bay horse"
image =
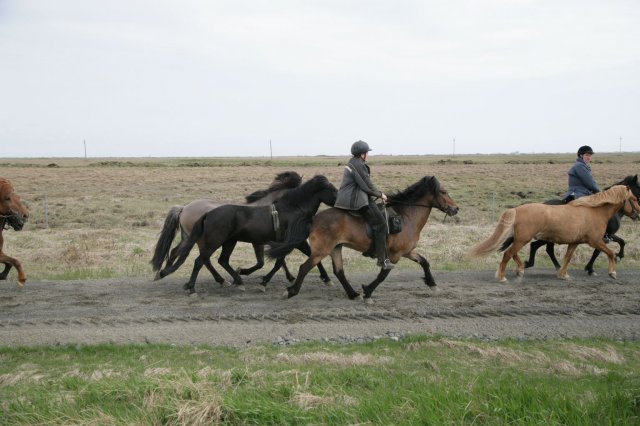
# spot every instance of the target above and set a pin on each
(226, 225)
(612, 227)
(182, 218)
(334, 228)
(13, 214)
(581, 221)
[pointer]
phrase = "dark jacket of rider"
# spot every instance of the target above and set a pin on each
(581, 182)
(356, 189)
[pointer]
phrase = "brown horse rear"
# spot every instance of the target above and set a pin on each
(12, 214)
(581, 221)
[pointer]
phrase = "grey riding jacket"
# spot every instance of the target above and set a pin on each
(356, 187)
(581, 182)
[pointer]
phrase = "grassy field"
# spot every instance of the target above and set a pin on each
(104, 215)
(412, 381)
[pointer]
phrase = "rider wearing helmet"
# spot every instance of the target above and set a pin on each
(581, 180)
(357, 192)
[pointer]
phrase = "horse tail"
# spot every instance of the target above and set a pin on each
(296, 233)
(168, 233)
(185, 247)
(501, 238)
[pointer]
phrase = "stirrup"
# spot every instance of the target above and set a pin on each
(386, 264)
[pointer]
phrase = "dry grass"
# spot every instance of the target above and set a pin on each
(104, 216)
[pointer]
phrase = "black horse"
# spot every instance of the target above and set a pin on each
(228, 224)
(612, 228)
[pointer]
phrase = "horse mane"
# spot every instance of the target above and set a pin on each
(284, 180)
(300, 194)
(415, 192)
(614, 195)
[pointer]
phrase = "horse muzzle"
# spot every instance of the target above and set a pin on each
(451, 210)
(17, 221)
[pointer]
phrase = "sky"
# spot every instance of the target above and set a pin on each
(196, 78)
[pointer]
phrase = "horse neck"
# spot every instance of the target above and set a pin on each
(270, 197)
(418, 213)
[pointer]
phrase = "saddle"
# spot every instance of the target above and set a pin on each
(394, 226)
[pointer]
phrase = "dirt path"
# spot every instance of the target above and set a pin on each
(466, 304)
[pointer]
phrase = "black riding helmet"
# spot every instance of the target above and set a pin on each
(359, 147)
(585, 149)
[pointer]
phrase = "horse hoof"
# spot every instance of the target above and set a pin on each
(158, 276)
(502, 280)
(328, 283)
(520, 273)
(612, 275)
(368, 301)
(325, 279)
(225, 284)
(592, 273)
(241, 287)
(285, 295)
(565, 277)
(263, 288)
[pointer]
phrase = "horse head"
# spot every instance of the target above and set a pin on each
(445, 203)
(11, 208)
(631, 207)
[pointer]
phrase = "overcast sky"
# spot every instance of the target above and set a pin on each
(224, 78)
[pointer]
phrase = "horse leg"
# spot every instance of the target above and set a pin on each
(11, 261)
(280, 263)
(306, 250)
(552, 255)
(216, 276)
(368, 289)
(562, 273)
(223, 260)
(533, 248)
(519, 265)
(621, 243)
(600, 245)
(197, 265)
(508, 255)
(422, 261)
(3, 274)
(338, 271)
(258, 249)
(303, 270)
(589, 266)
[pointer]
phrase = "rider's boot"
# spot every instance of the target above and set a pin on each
(381, 250)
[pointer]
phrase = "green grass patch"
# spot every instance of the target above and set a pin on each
(416, 380)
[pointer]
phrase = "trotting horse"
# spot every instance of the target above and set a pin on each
(228, 224)
(612, 227)
(334, 228)
(13, 214)
(581, 221)
(184, 217)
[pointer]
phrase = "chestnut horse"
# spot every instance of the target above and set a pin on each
(13, 214)
(334, 228)
(581, 221)
(183, 218)
(612, 227)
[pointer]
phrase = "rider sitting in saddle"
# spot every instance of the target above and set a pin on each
(581, 181)
(358, 193)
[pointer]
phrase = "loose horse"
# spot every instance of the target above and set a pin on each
(184, 217)
(582, 221)
(612, 227)
(13, 214)
(228, 224)
(334, 228)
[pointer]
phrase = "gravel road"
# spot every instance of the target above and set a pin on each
(466, 304)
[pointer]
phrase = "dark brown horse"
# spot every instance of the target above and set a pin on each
(581, 221)
(226, 225)
(334, 228)
(13, 214)
(182, 218)
(612, 228)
